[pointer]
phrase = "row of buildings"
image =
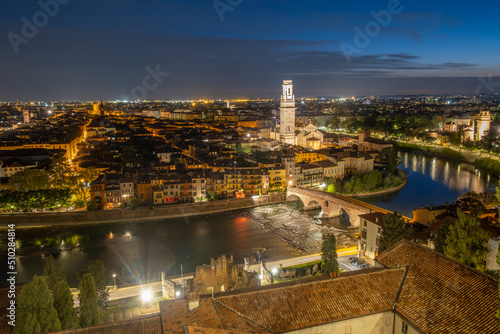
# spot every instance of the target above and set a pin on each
(222, 178)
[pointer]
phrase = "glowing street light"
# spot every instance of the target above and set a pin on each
(147, 296)
(114, 282)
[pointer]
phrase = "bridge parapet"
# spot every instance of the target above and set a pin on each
(333, 204)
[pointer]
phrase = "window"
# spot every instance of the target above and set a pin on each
(348, 330)
(363, 234)
(404, 329)
(364, 222)
(388, 321)
(380, 230)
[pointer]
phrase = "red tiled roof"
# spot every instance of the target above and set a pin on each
(204, 330)
(374, 217)
(286, 307)
(441, 295)
(149, 324)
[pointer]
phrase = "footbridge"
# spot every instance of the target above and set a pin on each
(334, 205)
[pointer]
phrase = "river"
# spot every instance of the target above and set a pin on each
(137, 252)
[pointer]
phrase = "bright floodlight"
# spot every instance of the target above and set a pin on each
(275, 271)
(147, 296)
(177, 293)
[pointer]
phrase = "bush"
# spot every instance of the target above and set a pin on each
(489, 164)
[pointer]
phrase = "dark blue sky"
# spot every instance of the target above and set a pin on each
(99, 49)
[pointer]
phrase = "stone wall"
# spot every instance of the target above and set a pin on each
(159, 212)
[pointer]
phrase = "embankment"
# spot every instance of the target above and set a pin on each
(31, 220)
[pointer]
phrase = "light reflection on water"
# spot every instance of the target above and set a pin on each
(433, 181)
(137, 252)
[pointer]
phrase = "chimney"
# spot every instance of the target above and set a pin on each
(421, 207)
(193, 301)
(430, 206)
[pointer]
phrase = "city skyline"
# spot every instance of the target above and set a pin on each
(91, 51)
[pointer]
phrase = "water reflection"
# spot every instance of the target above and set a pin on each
(433, 181)
(137, 252)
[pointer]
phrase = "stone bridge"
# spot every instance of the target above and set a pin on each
(334, 205)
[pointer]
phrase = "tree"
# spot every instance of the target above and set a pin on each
(51, 273)
(63, 303)
(440, 238)
(372, 180)
(331, 188)
(393, 231)
(35, 309)
(467, 242)
(389, 156)
(91, 206)
(63, 299)
(100, 274)
(30, 179)
(89, 305)
(329, 256)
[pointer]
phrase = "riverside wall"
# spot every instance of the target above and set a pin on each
(28, 220)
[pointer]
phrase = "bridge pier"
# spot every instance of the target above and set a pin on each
(333, 212)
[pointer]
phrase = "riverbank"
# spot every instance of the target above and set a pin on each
(431, 151)
(36, 220)
(381, 192)
(476, 159)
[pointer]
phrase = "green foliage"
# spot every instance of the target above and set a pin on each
(451, 154)
(97, 269)
(372, 180)
(498, 256)
(331, 188)
(393, 231)
(89, 304)
(51, 273)
(497, 193)
(239, 148)
(466, 242)
(440, 238)
(369, 182)
(35, 199)
(29, 179)
(35, 309)
(63, 300)
(329, 256)
(389, 156)
(491, 165)
(91, 206)
(100, 274)
(445, 153)
(63, 303)
(134, 202)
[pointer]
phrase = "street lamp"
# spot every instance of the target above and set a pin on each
(147, 296)
(114, 282)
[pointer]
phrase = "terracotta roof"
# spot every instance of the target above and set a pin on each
(149, 324)
(204, 330)
(286, 307)
(374, 217)
(210, 314)
(440, 295)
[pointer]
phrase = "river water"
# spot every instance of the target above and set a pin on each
(137, 252)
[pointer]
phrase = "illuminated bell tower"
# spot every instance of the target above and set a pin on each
(287, 114)
(483, 124)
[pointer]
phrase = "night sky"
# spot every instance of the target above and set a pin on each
(99, 49)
